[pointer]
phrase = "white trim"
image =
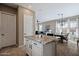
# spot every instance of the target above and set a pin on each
(7, 13)
(21, 46)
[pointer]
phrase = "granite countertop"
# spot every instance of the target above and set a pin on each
(43, 40)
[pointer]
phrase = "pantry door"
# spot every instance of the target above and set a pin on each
(8, 29)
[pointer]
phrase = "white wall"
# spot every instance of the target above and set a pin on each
(49, 11)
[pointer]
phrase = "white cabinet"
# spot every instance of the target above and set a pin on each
(29, 46)
(28, 31)
(7, 29)
(28, 25)
(37, 49)
(29, 28)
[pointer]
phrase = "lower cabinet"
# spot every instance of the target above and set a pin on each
(29, 46)
(35, 48)
(39, 49)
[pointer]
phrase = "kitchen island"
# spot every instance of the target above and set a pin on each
(41, 46)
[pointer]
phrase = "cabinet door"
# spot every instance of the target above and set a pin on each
(8, 29)
(29, 46)
(27, 43)
(28, 25)
(37, 49)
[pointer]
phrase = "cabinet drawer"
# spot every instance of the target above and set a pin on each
(37, 44)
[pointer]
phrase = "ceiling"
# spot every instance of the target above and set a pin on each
(50, 11)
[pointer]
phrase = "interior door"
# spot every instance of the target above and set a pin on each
(8, 29)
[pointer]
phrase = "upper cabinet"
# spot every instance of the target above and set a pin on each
(29, 22)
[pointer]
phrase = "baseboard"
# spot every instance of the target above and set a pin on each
(8, 46)
(22, 46)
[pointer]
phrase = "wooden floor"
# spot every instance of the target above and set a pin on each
(12, 51)
(63, 49)
(67, 49)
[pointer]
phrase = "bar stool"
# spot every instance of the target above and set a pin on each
(77, 42)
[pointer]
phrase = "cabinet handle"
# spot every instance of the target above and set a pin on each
(35, 44)
(30, 46)
(2, 34)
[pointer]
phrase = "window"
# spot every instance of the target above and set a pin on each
(73, 24)
(40, 27)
